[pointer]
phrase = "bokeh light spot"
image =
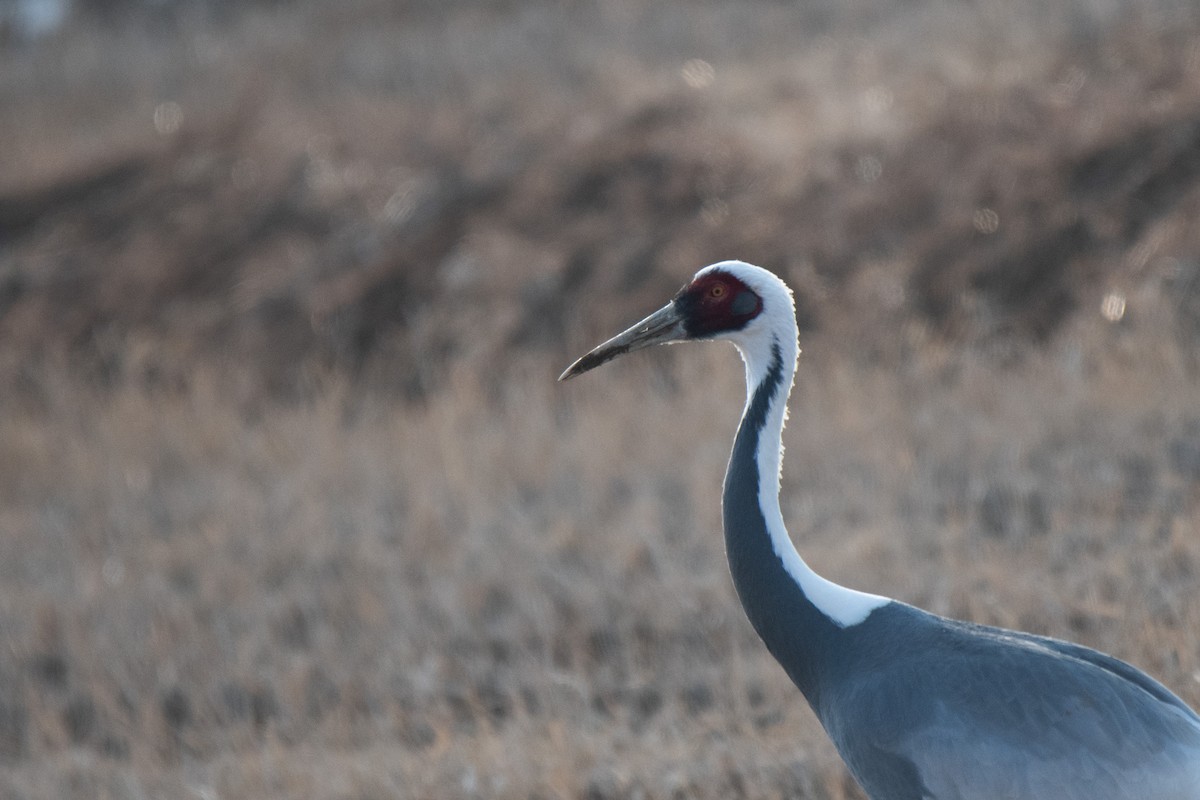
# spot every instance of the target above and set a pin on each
(714, 211)
(168, 117)
(986, 220)
(1113, 306)
(868, 169)
(400, 205)
(698, 73)
(878, 99)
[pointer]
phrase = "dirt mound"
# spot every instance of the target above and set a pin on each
(994, 220)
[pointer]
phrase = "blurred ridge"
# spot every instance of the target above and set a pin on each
(996, 211)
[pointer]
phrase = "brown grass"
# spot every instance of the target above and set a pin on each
(291, 506)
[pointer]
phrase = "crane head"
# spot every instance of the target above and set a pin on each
(716, 302)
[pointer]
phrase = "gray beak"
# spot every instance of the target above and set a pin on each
(664, 325)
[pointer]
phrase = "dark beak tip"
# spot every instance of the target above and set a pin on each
(581, 366)
(660, 327)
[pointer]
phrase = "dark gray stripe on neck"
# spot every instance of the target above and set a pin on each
(796, 632)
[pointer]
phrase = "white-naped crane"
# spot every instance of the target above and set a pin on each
(920, 707)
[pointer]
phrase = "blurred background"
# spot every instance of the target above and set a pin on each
(292, 506)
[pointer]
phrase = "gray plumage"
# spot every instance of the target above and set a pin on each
(920, 707)
(935, 708)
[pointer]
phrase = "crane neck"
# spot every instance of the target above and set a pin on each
(793, 609)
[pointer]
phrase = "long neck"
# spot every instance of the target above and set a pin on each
(795, 611)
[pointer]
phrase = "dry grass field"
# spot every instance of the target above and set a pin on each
(291, 505)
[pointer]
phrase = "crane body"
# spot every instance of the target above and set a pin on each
(920, 707)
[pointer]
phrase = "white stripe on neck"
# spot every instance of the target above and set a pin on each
(844, 606)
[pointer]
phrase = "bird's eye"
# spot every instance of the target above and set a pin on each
(717, 291)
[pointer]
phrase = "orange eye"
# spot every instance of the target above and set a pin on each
(717, 291)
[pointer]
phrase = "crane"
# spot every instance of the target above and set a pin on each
(919, 706)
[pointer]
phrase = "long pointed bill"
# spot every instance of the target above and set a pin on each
(664, 325)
